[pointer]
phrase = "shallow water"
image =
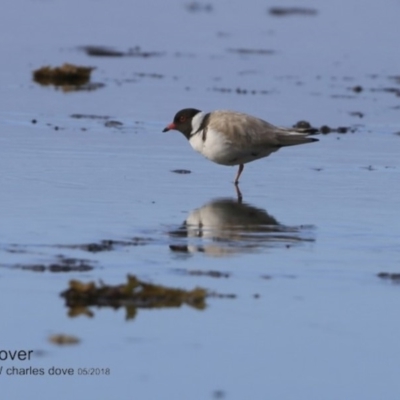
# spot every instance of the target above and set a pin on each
(301, 253)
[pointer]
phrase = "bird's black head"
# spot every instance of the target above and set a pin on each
(183, 121)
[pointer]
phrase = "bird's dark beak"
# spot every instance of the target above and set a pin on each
(169, 127)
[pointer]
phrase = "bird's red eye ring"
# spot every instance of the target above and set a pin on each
(182, 118)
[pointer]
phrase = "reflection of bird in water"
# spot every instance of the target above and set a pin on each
(227, 226)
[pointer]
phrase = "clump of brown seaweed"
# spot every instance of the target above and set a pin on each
(67, 74)
(132, 295)
(62, 339)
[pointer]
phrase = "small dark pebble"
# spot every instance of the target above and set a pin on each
(34, 121)
(325, 129)
(219, 394)
(305, 127)
(195, 6)
(357, 89)
(357, 114)
(302, 125)
(179, 248)
(181, 171)
(341, 129)
(113, 124)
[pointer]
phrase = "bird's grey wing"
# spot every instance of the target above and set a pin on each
(245, 131)
(258, 133)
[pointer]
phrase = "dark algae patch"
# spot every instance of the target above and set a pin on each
(149, 75)
(287, 11)
(90, 116)
(239, 90)
(104, 51)
(108, 244)
(245, 51)
(195, 6)
(390, 276)
(209, 273)
(132, 295)
(63, 264)
(181, 171)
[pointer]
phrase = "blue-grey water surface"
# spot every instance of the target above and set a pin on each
(311, 319)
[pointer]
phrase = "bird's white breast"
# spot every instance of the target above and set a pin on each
(214, 146)
(220, 149)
